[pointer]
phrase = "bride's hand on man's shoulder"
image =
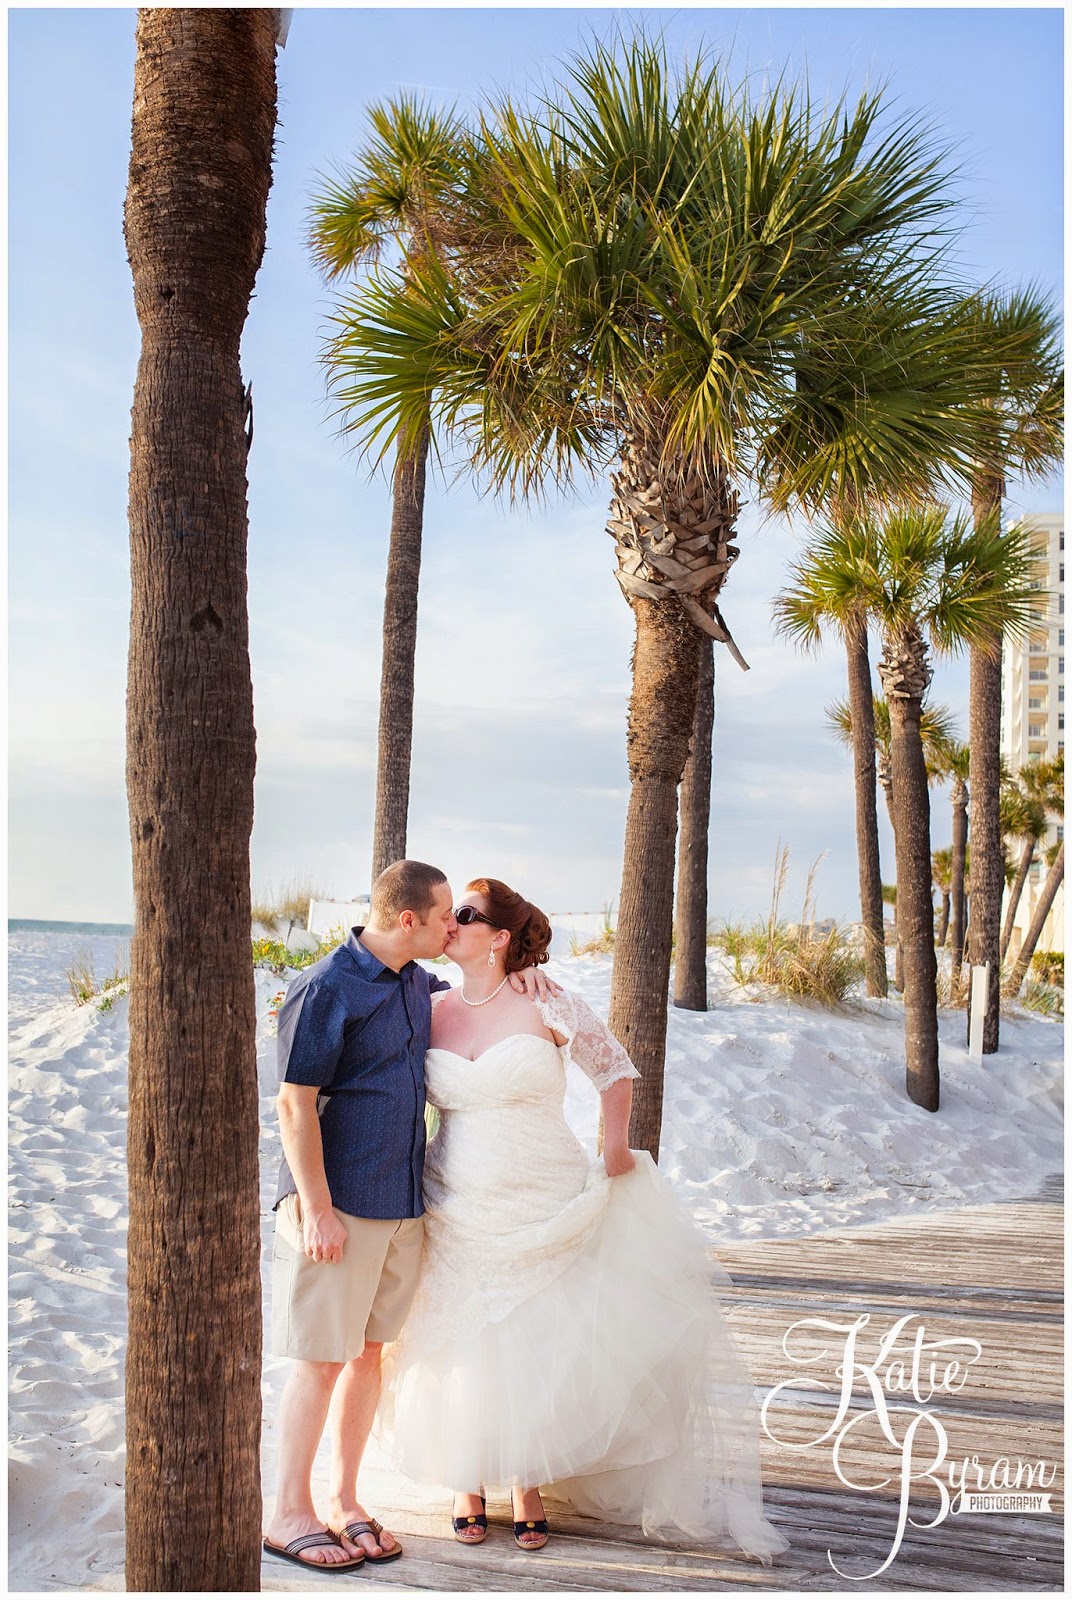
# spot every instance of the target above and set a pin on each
(534, 983)
(618, 1162)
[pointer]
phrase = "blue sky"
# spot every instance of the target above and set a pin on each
(523, 660)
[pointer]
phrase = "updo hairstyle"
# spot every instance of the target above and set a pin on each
(529, 929)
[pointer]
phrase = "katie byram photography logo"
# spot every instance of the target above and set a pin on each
(917, 1374)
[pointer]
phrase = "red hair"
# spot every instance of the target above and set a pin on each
(529, 929)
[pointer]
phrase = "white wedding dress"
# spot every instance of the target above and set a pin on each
(566, 1330)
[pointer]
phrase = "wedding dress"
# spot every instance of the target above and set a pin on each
(566, 1329)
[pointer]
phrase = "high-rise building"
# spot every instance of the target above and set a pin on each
(1033, 708)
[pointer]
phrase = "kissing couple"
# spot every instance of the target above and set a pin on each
(549, 1320)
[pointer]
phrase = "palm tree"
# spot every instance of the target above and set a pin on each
(928, 589)
(200, 170)
(1044, 786)
(1023, 430)
(936, 729)
(823, 591)
(952, 762)
(690, 905)
(1023, 817)
(396, 196)
(941, 878)
(1043, 907)
(690, 286)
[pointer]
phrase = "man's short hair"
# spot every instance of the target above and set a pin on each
(404, 886)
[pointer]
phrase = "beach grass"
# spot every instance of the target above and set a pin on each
(799, 960)
(289, 905)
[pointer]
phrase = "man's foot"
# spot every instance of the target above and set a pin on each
(469, 1518)
(283, 1530)
(378, 1545)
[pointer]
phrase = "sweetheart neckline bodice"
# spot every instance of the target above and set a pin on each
(472, 1060)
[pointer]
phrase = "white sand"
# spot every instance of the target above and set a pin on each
(780, 1121)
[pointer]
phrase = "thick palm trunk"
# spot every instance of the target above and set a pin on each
(661, 711)
(200, 169)
(672, 527)
(943, 921)
(960, 845)
(905, 676)
(862, 712)
(690, 911)
(1015, 895)
(1054, 879)
(395, 740)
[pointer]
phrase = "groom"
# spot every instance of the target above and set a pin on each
(353, 1033)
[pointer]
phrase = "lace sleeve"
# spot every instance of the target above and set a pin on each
(439, 994)
(589, 1042)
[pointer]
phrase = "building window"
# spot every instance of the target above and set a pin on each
(1038, 674)
(1060, 663)
(1061, 573)
(1060, 719)
(1061, 539)
(1060, 691)
(1060, 605)
(1061, 637)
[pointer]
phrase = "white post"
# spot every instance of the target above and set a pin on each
(980, 979)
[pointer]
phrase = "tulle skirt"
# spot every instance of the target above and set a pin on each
(617, 1381)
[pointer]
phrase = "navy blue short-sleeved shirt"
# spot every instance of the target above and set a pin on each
(359, 1032)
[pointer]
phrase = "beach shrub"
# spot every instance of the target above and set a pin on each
(601, 944)
(83, 984)
(274, 955)
(803, 960)
(1048, 999)
(81, 979)
(289, 907)
(1048, 966)
(953, 991)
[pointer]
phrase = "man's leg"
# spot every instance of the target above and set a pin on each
(303, 1412)
(353, 1407)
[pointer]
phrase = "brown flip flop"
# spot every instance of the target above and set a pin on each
(310, 1541)
(353, 1529)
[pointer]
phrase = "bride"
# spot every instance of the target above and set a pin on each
(565, 1330)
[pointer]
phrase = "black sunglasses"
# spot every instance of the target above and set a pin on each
(467, 914)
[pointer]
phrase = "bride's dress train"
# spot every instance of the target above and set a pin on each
(567, 1330)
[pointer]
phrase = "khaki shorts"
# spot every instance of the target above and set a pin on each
(325, 1311)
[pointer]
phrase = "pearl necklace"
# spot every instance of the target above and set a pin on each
(486, 998)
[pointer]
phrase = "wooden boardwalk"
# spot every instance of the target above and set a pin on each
(989, 1273)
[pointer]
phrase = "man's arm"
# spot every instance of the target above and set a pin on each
(299, 1127)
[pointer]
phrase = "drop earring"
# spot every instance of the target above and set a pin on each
(491, 958)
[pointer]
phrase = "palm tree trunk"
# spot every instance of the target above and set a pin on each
(200, 170)
(984, 776)
(905, 676)
(661, 714)
(943, 921)
(960, 844)
(862, 712)
(987, 866)
(1015, 894)
(898, 948)
(1054, 879)
(395, 741)
(690, 916)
